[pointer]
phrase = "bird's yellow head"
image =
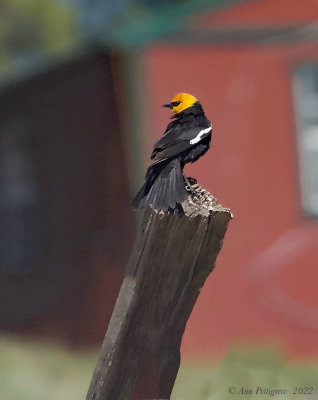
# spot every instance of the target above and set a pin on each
(180, 102)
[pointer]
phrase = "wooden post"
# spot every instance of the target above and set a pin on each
(172, 256)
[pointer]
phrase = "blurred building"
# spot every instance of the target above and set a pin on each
(73, 136)
(66, 224)
(254, 67)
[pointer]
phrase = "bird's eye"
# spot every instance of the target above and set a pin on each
(176, 103)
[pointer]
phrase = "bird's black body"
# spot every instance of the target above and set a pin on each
(185, 140)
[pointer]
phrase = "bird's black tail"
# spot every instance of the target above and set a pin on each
(164, 187)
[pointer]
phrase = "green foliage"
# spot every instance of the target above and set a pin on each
(32, 370)
(31, 26)
(246, 368)
(37, 371)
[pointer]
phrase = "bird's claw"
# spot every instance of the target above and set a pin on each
(189, 183)
(192, 181)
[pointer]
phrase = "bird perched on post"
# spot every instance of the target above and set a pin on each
(185, 140)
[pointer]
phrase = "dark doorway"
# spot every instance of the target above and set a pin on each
(63, 182)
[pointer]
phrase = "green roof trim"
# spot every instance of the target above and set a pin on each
(162, 21)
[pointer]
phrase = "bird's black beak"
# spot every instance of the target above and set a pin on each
(170, 105)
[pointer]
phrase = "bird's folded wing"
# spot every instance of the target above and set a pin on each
(173, 149)
(174, 143)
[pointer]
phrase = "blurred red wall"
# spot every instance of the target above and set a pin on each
(263, 289)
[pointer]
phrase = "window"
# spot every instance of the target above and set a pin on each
(18, 198)
(305, 88)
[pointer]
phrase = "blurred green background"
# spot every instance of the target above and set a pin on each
(37, 370)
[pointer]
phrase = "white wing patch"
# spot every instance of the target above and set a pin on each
(200, 134)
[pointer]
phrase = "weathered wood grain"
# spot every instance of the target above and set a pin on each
(171, 258)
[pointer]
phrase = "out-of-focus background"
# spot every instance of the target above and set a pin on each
(81, 84)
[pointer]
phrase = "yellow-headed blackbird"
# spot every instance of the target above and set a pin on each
(185, 140)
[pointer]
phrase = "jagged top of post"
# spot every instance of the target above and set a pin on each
(201, 202)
